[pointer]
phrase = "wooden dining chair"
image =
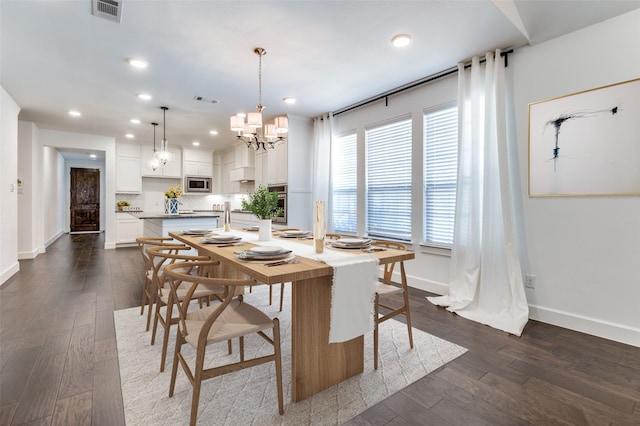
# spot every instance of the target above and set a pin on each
(148, 295)
(222, 321)
(161, 257)
(386, 287)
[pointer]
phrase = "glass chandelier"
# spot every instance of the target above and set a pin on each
(163, 156)
(155, 162)
(253, 133)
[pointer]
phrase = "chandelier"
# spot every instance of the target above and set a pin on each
(155, 162)
(253, 133)
(163, 156)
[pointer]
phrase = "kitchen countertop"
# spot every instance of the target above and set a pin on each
(196, 214)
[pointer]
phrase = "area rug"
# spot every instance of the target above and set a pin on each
(249, 397)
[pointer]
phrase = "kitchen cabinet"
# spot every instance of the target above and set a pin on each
(277, 164)
(128, 228)
(244, 156)
(128, 179)
(261, 166)
(228, 164)
(197, 163)
(243, 220)
(173, 168)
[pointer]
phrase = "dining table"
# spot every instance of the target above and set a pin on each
(316, 363)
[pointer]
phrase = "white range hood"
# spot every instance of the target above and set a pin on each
(242, 174)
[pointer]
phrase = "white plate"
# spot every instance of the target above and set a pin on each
(295, 232)
(265, 249)
(354, 241)
(223, 237)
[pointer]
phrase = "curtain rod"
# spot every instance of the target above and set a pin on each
(415, 83)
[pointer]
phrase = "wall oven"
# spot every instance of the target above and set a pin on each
(197, 185)
(281, 190)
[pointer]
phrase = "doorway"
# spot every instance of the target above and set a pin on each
(85, 200)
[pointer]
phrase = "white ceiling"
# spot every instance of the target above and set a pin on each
(56, 56)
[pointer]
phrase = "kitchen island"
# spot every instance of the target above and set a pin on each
(158, 224)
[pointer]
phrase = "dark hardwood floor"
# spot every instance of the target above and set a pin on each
(59, 361)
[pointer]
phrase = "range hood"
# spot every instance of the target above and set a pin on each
(242, 174)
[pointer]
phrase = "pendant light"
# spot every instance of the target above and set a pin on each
(163, 155)
(155, 162)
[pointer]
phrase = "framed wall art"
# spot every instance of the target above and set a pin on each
(586, 143)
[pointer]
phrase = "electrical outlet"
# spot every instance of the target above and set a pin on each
(530, 281)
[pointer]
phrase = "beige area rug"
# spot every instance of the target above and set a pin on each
(249, 397)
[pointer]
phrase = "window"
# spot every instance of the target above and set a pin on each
(388, 162)
(344, 175)
(440, 173)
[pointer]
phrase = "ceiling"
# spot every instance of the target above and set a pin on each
(56, 56)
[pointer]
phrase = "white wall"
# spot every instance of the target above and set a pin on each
(584, 251)
(8, 186)
(30, 235)
(56, 139)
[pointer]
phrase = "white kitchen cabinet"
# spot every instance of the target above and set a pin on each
(128, 228)
(277, 164)
(128, 179)
(173, 168)
(261, 167)
(244, 156)
(228, 164)
(197, 163)
(243, 220)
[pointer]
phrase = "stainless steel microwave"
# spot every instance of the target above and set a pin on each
(195, 184)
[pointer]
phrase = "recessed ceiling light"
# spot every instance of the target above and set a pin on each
(401, 40)
(135, 121)
(213, 132)
(289, 100)
(137, 63)
(195, 143)
(75, 113)
(129, 135)
(144, 96)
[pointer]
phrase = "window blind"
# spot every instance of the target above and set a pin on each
(388, 162)
(344, 171)
(440, 174)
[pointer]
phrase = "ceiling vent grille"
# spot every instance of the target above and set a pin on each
(108, 9)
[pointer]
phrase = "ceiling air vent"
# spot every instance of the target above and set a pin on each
(206, 100)
(108, 9)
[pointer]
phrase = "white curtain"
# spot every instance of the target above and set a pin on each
(321, 189)
(486, 283)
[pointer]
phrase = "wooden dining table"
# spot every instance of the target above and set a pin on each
(316, 364)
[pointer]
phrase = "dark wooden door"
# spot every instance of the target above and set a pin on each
(85, 200)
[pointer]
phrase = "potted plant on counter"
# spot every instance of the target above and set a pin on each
(264, 205)
(171, 201)
(122, 204)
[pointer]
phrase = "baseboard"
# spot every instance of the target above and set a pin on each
(9, 272)
(23, 255)
(52, 240)
(595, 327)
(109, 246)
(425, 285)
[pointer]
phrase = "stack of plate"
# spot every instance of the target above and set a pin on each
(294, 234)
(352, 243)
(264, 253)
(221, 239)
(196, 232)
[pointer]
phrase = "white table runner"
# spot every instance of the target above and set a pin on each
(354, 278)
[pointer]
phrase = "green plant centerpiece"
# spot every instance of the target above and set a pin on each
(264, 205)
